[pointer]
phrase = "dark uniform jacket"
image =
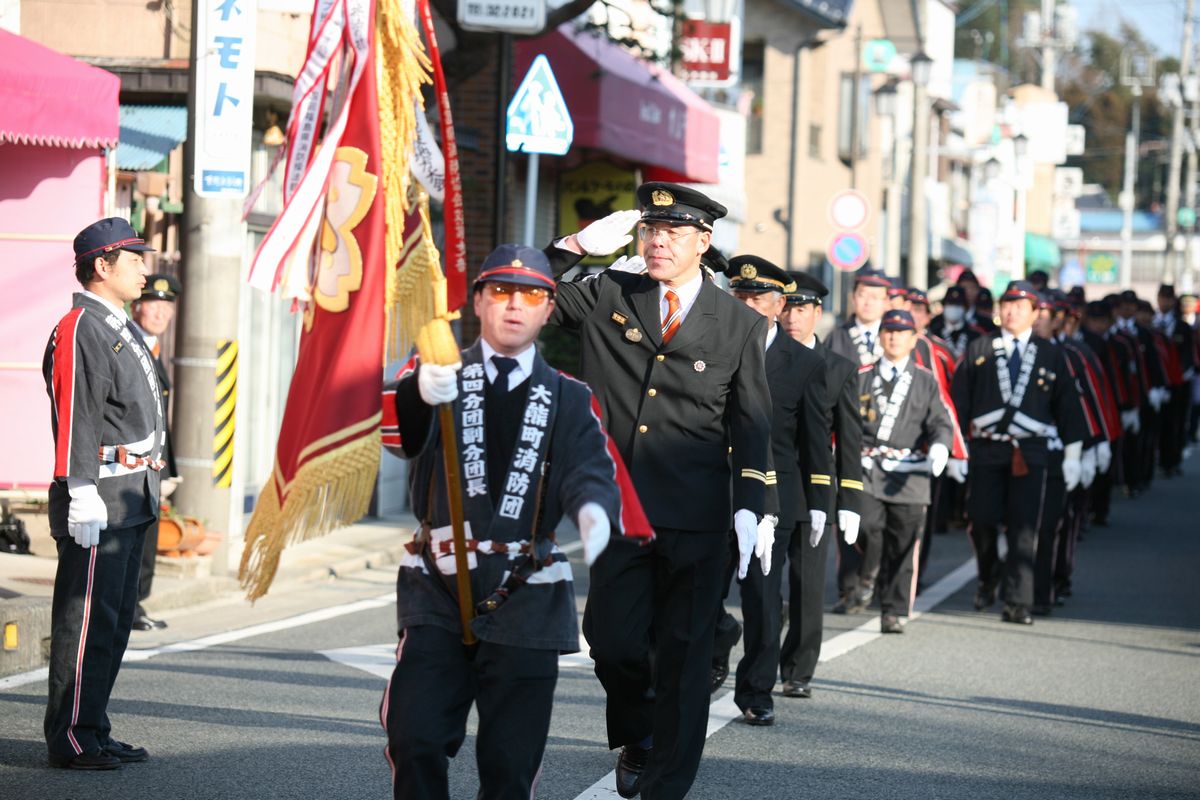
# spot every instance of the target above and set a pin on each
(800, 429)
(848, 341)
(900, 466)
(558, 429)
(675, 410)
(1049, 414)
(106, 415)
(164, 387)
(958, 339)
(841, 379)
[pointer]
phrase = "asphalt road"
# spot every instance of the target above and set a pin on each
(1099, 701)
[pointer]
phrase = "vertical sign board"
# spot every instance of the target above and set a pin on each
(225, 34)
(708, 52)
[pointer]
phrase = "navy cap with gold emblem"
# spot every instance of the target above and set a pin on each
(108, 235)
(967, 276)
(984, 298)
(897, 320)
(160, 286)
(955, 296)
(809, 289)
(715, 260)
(756, 275)
(1020, 290)
(678, 205)
(516, 263)
(866, 276)
(917, 296)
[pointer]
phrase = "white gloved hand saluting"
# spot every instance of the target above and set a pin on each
(1103, 457)
(939, 454)
(745, 527)
(1072, 468)
(817, 524)
(956, 469)
(609, 234)
(848, 522)
(764, 541)
(87, 515)
(1088, 467)
(595, 530)
(438, 384)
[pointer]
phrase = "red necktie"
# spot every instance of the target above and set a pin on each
(674, 317)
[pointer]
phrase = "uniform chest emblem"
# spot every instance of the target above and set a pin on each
(116, 347)
(699, 366)
(619, 318)
(979, 361)
(633, 335)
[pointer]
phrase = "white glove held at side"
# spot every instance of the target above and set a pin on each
(1131, 422)
(1103, 457)
(957, 470)
(595, 531)
(87, 515)
(939, 454)
(817, 523)
(1072, 468)
(764, 541)
(745, 527)
(867, 463)
(608, 234)
(848, 522)
(438, 384)
(1088, 465)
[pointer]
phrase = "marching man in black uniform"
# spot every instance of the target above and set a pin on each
(107, 421)
(677, 366)
(858, 337)
(531, 450)
(1014, 397)
(907, 433)
(951, 325)
(800, 427)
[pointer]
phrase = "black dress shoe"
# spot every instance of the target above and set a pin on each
(95, 759)
(631, 763)
(890, 624)
(143, 623)
(1018, 615)
(842, 605)
(984, 597)
(759, 716)
(1041, 610)
(126, 753)
(719, 673)
(797, 689)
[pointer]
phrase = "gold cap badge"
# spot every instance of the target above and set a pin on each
(516, 262)
(791, 287)
(161, 285)
(661, 197)
(749, 272)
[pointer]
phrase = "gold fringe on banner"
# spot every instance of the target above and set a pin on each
(329, 492)
(416, 292)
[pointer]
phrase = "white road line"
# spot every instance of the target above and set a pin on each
(723, 711)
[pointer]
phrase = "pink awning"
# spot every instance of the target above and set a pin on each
(626, 106)
(47, 98)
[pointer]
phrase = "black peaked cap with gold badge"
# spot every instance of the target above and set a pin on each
(678, 205)
(757, 275)
(160, 286)
(808, 289)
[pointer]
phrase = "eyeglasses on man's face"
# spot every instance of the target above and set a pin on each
(530, 295)
(647, 233)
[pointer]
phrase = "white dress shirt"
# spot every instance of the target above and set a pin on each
(772, 332)
(687, 294)
(1023, 338)
(118, 310)
(522, 371)
(888, 370)
(872, 329)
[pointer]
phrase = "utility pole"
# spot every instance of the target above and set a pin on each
(1049, 46)
(1186, 276)
(916, 272)
(1172, 224)
(854, 102)
(1127, 191)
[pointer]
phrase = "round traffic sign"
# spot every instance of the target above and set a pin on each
(878, 55)
(848, 251)
(849, 209)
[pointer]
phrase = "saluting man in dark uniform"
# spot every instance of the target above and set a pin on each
(107, 422)
(677, 366)
(907, 433)
(800, 427)
(152, 315)
(531, 451)
(801, 647)
(1014, 396)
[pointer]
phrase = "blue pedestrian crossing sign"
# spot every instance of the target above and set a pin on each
(538, 120)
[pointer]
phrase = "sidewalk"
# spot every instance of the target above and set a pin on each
(27, 581)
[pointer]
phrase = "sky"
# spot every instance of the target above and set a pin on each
(1160, 21)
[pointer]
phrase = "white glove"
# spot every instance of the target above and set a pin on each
(1156, 397)
(817, 523)
(1072, 467)
(1131, 421)
(764, 541)
(745, 527)
(1088, 467)
(956, 469)
(634, 264)
(867, 463)
(848, 522)
(1103, 457)
(595, 530)
(168, 487)
(608, 235)
(438, 384)
(87, 515)
(939, 454)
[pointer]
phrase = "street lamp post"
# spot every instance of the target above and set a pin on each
(917, 267)
(1020, 150)
(886, 106)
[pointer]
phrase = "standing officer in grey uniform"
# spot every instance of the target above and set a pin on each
(677, 366)
(107, 422)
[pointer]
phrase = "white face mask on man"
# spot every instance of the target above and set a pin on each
(954, 314)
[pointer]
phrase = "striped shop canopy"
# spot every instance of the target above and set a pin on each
(149, 134)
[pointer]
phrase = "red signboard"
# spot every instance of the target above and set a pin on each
(706, 50)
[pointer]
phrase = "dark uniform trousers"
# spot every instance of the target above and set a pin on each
(762, 611)
(425, 707)
(849, 565)
(996, 497)
(896, 528)
(666, 593)
(1077, 504)
(1100, 495)
(806, 603)
(146, 577)
(95, 593)
(1051, 530)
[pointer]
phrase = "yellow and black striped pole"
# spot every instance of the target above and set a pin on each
(223, 417)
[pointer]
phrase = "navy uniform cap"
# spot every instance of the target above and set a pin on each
(967, 275)
(516, 263)
(160, 286)
(715, 260)
(897, 320)
(1077, 294)
(1020, 290)
(809, 289)
(955, 296)
(108, 235)
(866, 276)
(1098, 309)
(678, 205)
(916, 295)
(1039, 276)
(984, 298)
(1128, 296)
(754, 274)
